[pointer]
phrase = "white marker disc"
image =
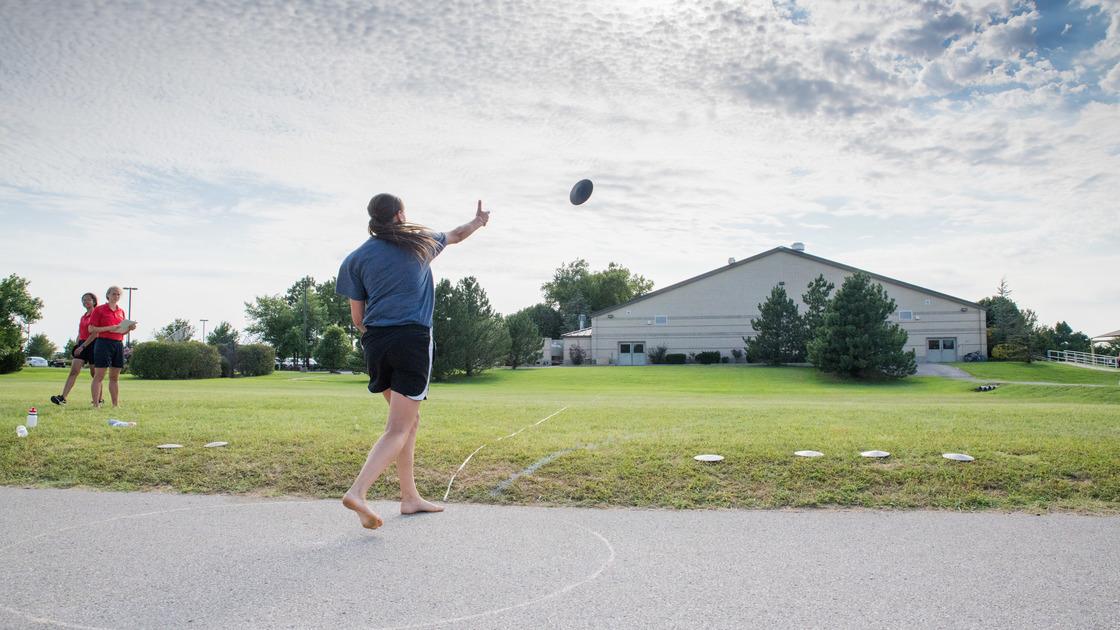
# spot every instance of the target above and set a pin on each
(875, 454)
(709, 458)
(809, 453)
(170, 446)
(213, 444)
(960, 457)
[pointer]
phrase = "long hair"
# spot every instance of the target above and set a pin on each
(416, 239)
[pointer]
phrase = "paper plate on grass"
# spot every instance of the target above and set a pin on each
(875, 454)
(709, 458)
(213, 444)
(170, 446)
(808, 453)
(958, 457)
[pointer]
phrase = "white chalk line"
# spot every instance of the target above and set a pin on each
(460, 468)
(558, 592)
(446, 494)
(58, 623)
(500, 488)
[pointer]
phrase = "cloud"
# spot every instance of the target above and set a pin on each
(241, 141)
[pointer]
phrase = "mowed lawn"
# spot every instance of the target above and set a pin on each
(613, 437)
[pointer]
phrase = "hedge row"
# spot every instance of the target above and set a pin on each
(188, 359)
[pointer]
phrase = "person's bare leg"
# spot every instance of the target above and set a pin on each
(411, 501)
(75, 370)
(92, 373)
(114, 385)
(402, 411)
(95, 386)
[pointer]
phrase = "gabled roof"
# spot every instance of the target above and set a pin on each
(582, 332)
(794, 252)
(1108, 335)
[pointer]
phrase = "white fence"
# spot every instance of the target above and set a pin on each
(1084, 358)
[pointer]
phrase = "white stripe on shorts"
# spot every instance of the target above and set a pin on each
(428, 382)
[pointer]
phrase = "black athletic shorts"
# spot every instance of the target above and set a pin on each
(87, 352)
(399, 358)
(107, 353)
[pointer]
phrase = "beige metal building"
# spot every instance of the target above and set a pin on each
(713, 311)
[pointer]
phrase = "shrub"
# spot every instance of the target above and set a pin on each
(657, 355)
(12, 359)
(737, 353)
(675, 358)
(186, 360)
(356, 362)
(577, 354)
(258, 359)
(707, 357)
(1009, 352)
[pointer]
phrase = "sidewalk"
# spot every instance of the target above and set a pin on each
(79, 559)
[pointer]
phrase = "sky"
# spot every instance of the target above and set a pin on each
(208, 152)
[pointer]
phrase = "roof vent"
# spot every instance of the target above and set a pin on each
(731, 261)
(799, 247)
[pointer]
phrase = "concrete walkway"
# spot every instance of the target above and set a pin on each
(79, 559)
(948, 371)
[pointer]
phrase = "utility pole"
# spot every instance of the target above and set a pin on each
(203, 329)
(303, 368)
(129, 312)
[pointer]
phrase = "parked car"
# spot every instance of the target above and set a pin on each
(58, 363)
(36, 362)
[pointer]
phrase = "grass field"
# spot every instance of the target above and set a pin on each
(616, 437)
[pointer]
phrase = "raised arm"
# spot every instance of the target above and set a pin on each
(460, 233)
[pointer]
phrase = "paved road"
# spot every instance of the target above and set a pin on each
(79, 559)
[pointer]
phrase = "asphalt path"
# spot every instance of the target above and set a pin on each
(83, 559)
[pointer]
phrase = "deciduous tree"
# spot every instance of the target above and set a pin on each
(40, 346)
(17, 309)
(526, 343)
(333, 349)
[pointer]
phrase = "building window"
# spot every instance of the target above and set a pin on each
(660, 320)
(905, 316)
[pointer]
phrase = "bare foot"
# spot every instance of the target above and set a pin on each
(368, 518)
(419, 505)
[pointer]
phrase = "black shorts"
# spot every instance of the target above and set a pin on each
(399, 358)
(87, 352)
(107, 353)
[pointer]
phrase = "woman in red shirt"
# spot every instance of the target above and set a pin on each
(108, 350)
(82, 353)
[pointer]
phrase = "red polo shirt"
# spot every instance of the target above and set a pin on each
(102, 315)
(83, 326)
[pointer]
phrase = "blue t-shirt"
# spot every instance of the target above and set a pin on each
(396, 286)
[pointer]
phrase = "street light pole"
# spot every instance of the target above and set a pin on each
(203, 329)
(129, 313)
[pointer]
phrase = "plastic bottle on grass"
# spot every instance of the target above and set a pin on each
(32, 418)
(21, 431)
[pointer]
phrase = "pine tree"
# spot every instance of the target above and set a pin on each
(470, 337)
(856, 339)
(816, 301)
(781, 331)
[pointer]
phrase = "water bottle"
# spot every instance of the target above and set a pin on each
(32, 418)
(21, 431)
